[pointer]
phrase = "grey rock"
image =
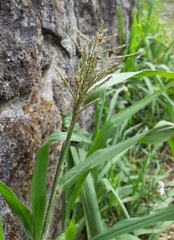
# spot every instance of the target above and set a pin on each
(33, 99)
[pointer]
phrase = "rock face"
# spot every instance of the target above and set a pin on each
(33, 99)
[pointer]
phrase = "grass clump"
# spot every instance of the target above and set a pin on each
(102, 188)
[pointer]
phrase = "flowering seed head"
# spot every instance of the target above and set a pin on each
(90, 74)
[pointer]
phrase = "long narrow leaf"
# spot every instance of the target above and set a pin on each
(18, 208)
(90, 206)
(89, 198)
(76, 190)
(38, 191)
(39, 181)
(57, 136)
(116, 119)
(130, 225)
(75, 194)
(162, 132)
(95, 159)
(1, 230)
(127, 237)
(61, 237)
(105, 186)
(120, 77)
(171, 143)
(100, 156)
(71, 230)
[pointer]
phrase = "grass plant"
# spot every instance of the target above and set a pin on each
(108, 189)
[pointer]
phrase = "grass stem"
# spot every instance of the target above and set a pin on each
(51, 204)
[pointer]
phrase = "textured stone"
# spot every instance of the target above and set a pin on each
(34, 36)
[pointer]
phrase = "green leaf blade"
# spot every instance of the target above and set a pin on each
(18, 208)
(1, 230)
(130, 225)
(162, 132)
(121, 77)
(98, 157)
(58, 136)
(118, 118)
(38, 190)
(71, 230)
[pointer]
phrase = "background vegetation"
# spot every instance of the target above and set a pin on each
(129, 185)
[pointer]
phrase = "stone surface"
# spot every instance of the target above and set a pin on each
(34, 36)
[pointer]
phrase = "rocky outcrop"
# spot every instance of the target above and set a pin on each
(33, 99)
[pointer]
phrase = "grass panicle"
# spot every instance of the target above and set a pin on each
(91, 72)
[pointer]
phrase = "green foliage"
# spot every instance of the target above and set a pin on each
(38, 191)
(101, 156)
(1, 230)
(70, 232)
(22, 213)
(130, 225)
(108, 187)
(151, 36)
